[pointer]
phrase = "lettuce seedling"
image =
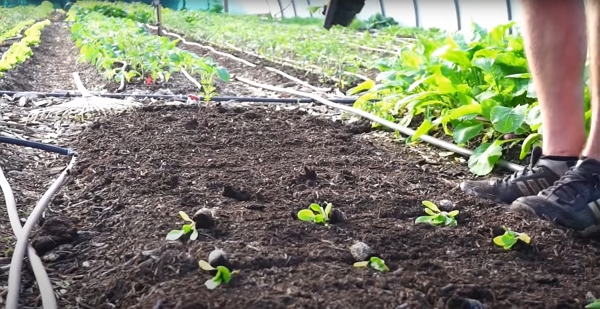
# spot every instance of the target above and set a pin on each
(436, 217)
(510, 238)
(315, 213)
(185, 229)
(593, 305)
(223, 275)
(374, 262)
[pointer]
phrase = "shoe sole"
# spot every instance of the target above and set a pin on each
(466, 188)
(526, 210)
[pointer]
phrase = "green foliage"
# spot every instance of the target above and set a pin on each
(20, 51)
(510, 238)
(11, 17)
(436, 217)
(374, 262)
(107, 42)
(472, 85)
(190, 227)
(315, 213)
(223, 275)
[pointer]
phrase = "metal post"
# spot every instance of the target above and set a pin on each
(382, 7)
(509, 14)
(294, 7)
(457, 8)
(226, 6)
(309, 11)
(417, 19)
(156, 4)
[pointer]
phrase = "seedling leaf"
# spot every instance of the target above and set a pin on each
(186, 228)
(205, 265)
(213, 283)
(594, 305)
(524, 238)
(361, 264)
(194, 235)
(378, 264)
(316, 207)
(430, 212)
(431, 206)
(453, 213)
(175, 234)
(328, 209)
(223, 274)
(306, 215)
(185, 216)
(423, 219)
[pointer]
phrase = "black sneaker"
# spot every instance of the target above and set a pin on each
(539, 175)
(573, 201)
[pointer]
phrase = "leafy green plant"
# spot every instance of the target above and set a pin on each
(107, 42)
(374, 262)
(510, 238)
(223, 275)
(185, 229)
(436, 217)
(315, 213)
(20, 51)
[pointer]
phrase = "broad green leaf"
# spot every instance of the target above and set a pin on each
(431, 206)
(223, 73)
(528, 143)
(453, 213)
(467, 130)
(212, 284)
(306, 215)
(223, 274)
(465, 110)
(204, 265)
(315, 207)
(174, 234)
(506, 119)
(187, 228)
(423, 219)
(484, 158)
(319, 218)
(364, 86)
(185, 216)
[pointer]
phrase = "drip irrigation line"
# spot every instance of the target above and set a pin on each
(14, 275)
(182, 98)
(404, 130)
(37, 145)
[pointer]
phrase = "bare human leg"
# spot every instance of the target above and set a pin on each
(574, 200)
(555, 44)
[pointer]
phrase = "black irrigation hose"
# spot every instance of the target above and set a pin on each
(182, 98)
(37, 145)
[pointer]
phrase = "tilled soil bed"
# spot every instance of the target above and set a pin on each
(137, 171)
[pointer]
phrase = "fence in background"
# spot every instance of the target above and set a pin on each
(444, 14)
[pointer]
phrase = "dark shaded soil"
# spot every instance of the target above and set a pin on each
(137, 171)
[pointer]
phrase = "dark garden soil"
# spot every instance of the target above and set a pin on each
(103, 238)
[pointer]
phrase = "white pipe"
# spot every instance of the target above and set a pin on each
(16, 263)
(43, 281)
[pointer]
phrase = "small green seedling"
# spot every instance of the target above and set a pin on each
(593, 305)
(223, 275)
(510, 238)
(436, 217)
(185, 229)
(315, 213)
(375, 263)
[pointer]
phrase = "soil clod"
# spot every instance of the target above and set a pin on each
(56, 231)
(236, 193)
(463, 303)
(204, 218)
(361, 251)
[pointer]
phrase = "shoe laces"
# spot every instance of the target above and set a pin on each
(570, 185)
(527, 170)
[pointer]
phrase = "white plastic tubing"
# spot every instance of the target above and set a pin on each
(23, 246)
